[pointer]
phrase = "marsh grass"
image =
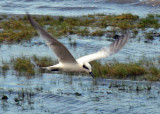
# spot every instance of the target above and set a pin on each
(149, 36)
(117, 70)
(5, 65)
(151, 21)
(127, 16)
(97, 33)
(18, 28)
(23, 66)
(144, 69)
(131, 70)
(4, 68)
(83, 32)
(43, 61)
(30, 66)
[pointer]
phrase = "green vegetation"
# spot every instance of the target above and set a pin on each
(141, 70)
(149, 36)
(144, 69)
(43, 61)
(23, 66)
(5, 66)
(97, 33)
(17, 28)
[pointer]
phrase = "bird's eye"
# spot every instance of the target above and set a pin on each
(84, 66)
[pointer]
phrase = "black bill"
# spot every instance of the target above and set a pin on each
(91, 74)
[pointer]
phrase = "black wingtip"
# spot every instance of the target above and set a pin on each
(28, 15)
(32, 21)
(119, 43)
(29, 18)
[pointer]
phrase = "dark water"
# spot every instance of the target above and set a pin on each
(78, 7)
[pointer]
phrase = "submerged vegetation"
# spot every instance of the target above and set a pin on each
(17, 28)
(144, 69)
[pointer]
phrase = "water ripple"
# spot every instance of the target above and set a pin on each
(78, 7)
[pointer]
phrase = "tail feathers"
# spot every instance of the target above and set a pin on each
(50, 68)
(44, 68)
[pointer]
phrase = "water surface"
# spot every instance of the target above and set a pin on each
(58, 93)
(78, 7)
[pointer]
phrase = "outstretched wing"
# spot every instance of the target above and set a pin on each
(105, 52)
(64, 56)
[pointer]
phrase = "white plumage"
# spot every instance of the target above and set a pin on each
(67, 62)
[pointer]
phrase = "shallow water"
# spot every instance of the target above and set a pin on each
(78, 7)
(59, 93)
(133, 50)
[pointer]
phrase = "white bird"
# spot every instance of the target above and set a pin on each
(67, 62)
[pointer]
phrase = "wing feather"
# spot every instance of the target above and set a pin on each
(64, 56)
(105, 52)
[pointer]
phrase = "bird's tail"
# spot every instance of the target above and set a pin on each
(44, 68)
(50, 68)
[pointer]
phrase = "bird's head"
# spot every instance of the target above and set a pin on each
(87, 68)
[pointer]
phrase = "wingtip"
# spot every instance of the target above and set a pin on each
(29, 18)
(28, 15)
(127, 35)
(32, 21)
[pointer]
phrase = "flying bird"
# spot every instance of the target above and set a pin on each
(67, 62)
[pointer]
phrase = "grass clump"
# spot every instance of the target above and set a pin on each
(122, 70)
(16, 29)
(135, 71)
(23, 66)
(117, 70)
(149, 22)
(5, 67)
(83, 32)
(144, 69)
(149, 36)
(43, 61)
(97, 33)
(127, 16)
